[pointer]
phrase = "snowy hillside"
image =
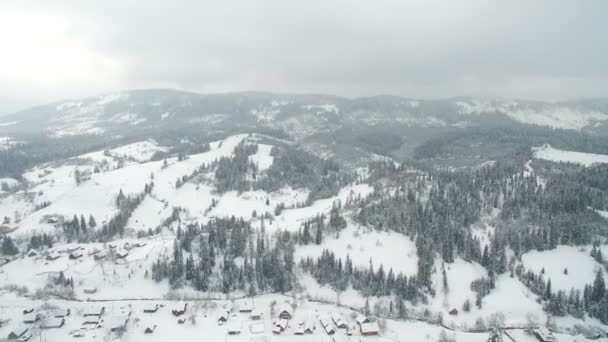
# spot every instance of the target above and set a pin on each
(424, 252)
(547, 152)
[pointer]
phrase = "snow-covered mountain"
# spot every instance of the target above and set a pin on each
(299, 116)
(472, 214)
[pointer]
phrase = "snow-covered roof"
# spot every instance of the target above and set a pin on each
(361, 319)
(234, 327)
(545, 334)
(20, 330)
(281, 323)
(31, 317)
(285, 307)
(94, 311)
(369, 327)
(52, 322)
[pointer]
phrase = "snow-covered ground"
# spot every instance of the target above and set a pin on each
(389, 249)
(547, 152)
(581, 267)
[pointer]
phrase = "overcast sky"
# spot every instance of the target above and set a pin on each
(543, 49)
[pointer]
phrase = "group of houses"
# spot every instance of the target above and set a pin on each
(330, 323)
(119, 251)
(51, 320)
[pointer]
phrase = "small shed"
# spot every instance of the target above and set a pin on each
(52, 323)
(53, 256)
(119, 323)
(31, 317)
(28, 310)
(94, 311)
(61, 313)
(299, 330)
(90, 290)
(139, 244)
(338, 321)
(149, 329)
(285, 311)
(121, 253)
(281, 325)
(309, 326)
(234, 328)
(245, 306)
(255, 315)
(32, 253)
(544, 335)
(222, 318)
(75, 255)
(369, 329)
(329, 329)
(361, 319)
(91, 320)
(151, 308)
(99, 255)
(179, 309)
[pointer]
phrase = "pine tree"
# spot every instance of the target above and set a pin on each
(8, 246)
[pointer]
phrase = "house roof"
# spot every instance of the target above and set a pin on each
(234, 327)
(361, 319)
(31, 317)
(369, 327)
(52, 322)
(285, 307)
(20, 330)
(94, 311)
(281, 323)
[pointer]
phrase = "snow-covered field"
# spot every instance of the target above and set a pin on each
(547, 152)
(392, 250)
(581, 267)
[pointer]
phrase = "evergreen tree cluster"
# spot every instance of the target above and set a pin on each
(328, 269)
(204, 257)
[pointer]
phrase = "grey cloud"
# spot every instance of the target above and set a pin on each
(548, 49)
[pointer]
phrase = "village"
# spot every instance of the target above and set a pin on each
(265, 318)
